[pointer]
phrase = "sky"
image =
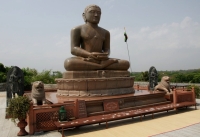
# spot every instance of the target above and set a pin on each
(161, 33)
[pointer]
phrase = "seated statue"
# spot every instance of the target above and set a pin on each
(90, 44)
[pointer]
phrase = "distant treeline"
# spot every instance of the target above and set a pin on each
(48, 76)
(31, 75)
(177, 76)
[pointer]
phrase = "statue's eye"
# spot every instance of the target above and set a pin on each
(93, 11)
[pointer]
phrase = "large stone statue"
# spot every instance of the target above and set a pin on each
(91, 72)
(91, 45)
(15, 82)
(153, 78)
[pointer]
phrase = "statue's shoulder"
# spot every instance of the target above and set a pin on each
(79, 27)
(104, 30)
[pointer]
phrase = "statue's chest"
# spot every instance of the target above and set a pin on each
(92, 35)
(92, 39)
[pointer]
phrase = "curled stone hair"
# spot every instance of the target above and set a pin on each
(86, 9)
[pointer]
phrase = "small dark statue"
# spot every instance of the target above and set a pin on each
(15, 82)
(153, 78)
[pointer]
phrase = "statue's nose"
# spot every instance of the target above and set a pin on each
(96, 14)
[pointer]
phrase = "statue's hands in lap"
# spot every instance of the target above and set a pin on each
(100, 56)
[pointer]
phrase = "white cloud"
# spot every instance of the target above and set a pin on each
(145, 29)
(169, 46)
(158, 33)
(186, 22)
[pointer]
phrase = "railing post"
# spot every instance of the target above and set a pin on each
(30, 120)
(138, 87)
(174, 98)
(194, 97)
(76, 108)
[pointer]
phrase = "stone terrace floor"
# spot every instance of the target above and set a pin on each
(184, 124)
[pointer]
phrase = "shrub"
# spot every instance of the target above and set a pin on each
(18, 108)
(196, 90)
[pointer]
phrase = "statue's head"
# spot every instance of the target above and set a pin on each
(165, 79)
(92, 14)
(38, 86)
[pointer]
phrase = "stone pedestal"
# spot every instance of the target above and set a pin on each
(95, 83)
(95, 74)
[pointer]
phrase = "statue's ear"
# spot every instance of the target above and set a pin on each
(84, 17)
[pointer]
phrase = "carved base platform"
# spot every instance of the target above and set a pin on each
(95, 83)
(99, 105)
(95, 74)
(91, 110)
(106, 92)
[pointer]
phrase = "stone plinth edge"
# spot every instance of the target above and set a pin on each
(95, 74)
(95, 86)
(106, 92)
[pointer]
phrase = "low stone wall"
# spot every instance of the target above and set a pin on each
(171, 83)
(46, 87)
(54, 86)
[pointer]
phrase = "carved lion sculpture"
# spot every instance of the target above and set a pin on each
(164, 84)
(37, 93)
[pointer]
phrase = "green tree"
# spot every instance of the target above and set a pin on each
(145, 76)
(2, 77)
(2, 73)
(189, 77)
(196, 78)
(57, 74)
(47, 77)
(29, 75)
(179, 78)
(2, 68)
(196, 90)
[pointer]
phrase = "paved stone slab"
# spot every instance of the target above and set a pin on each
(125, 127)
(189, 131)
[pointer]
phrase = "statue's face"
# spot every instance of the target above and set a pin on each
(93, 15)
(39, 86)
(166, 78)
